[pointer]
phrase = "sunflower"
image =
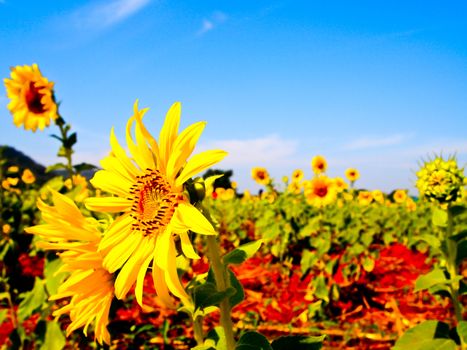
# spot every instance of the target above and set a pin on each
(319, 164)
(148, 190)
(340, 184)
(89, 285)
(32, 103)
(320, 191)
(352, 174)
(400, 196)
(297, 175)
(441, 181)
(365, 197)
(260, 175)
(28, 177)
(378, 196)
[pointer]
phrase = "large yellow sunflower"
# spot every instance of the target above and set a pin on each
(89, 285)
(148, 189)
(32, 103)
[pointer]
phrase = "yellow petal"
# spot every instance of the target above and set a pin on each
(187, 247)
(140, 279)
(128, 274)
(120, 253)
(112, 183)
(198, 163)
(108, 204)
(171, 275)
(119, 230)
(168, 134)
(193, 219)
(121, 155)
(182, 148)
(161, 286)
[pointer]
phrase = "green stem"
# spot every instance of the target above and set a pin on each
(64, 128)
(222, 282)
(452, 267)
(14, 317)
(198, 330)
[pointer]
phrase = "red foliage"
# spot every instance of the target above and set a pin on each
(31, 266)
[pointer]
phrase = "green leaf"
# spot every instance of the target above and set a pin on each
(428, 335)
(462, 330)
(462, 288)
(459, 236)
(56, 166)
(55, 183)
(62, 152)
(56, 137)
(457, 210)
(70, 141)
(435, 276)
(243, 252)
(321, 289)
(84, 166)
(461, 251)
(33, 300)
(298, 343)
(439, 217)
(432, 240)
(54, 338)
(207, 295)
(308, 260)
(216, 339)
(253, 341)
(52, 280)
(368, 264)
(3, 314)
(239, 295)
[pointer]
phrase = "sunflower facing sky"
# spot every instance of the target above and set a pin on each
(319, 164)
(31, 98)
(320, 191)
(260, 175)
(147, 188)
(89, 285)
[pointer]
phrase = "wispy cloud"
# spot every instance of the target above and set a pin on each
(375, 142)
(105, 14)
(212, 22)
(271, 150)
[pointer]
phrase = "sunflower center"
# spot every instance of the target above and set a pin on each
(261, 175)
(321, 191)
(153, 203)
(33, 99)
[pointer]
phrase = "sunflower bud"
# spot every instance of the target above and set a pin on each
(441, 181)
(196, 189)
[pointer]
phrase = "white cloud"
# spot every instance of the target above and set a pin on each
(374, 142)
(105, 14)
(212, 22)
(269, 150)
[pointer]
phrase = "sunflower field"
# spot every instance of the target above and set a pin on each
(157, 249)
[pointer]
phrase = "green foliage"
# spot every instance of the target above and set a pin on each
(298, 343)
(432, 278)
(241, 253)
(432, 335)
(33, 300)
(54, 338)
(253, 341)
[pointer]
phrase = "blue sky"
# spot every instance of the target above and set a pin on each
(372, 85)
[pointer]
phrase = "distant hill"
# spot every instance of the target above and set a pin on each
(10, 156)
